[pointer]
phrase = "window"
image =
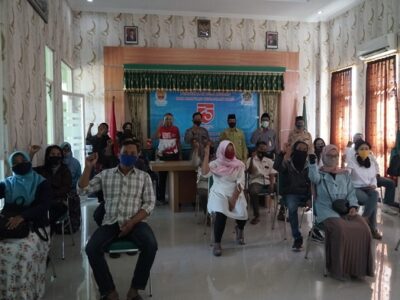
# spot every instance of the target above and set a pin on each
(341, 92)
(49, 61)
(66, 78)
(381, 121)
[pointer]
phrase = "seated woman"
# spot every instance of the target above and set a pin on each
(348, 239)
(23, 261)
(59, 177)
(363, 176)
(226, 198)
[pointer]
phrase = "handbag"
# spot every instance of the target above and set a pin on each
(341, 206)
(21, 231)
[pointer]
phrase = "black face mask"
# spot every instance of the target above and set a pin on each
(364, 163)
(262, 154)
(54, 160)
(22, 168)
(232, 124)
(299, 159)
(198, 123)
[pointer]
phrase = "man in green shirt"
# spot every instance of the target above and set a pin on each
(236, 136)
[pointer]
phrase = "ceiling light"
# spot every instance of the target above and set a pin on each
(89, 0)
(320, 12)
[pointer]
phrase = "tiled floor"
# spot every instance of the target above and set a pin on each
(265, 268)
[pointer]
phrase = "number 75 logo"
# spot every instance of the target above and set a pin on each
(207, 112)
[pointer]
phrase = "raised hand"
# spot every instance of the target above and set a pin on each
(91, 160)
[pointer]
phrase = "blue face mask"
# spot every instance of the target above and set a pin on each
(128, 160)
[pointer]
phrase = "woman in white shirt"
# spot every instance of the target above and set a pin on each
(226, 198)
(363, 176)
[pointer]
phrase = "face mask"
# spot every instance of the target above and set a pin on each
(299, 126)
(299, 158)
(232, 124)
(128, 160)
(54, 160)
(264, 124)
(261, 155)
(230, 154)
(363, 154)
(22, 168)
(197, 123)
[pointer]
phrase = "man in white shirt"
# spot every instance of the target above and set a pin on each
(129, 200)
(261, 177)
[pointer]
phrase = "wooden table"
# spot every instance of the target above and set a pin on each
(181, 181)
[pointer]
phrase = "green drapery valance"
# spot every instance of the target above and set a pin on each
(203, 78)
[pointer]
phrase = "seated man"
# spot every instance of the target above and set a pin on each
(129, 199)
(261, 177)
(292, 165)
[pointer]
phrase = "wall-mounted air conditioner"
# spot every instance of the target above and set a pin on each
(378, 47)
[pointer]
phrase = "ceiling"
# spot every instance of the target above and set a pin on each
(287, 10)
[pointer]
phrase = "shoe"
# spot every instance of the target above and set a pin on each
(110, 296)
(316, 235)
(281, 215)
(239, 235)
(375, 234)
(217, 251)
(298, 244)
(115, 255)
(133, 295)
(255, 221)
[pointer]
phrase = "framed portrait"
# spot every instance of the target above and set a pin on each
(41, 7)
(131, 35)
(271, 40)
(204, 28)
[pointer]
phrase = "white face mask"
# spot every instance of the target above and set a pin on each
(264, 124)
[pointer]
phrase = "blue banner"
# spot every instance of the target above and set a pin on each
(214, 107)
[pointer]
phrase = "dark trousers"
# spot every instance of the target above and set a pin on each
(219, 226)
(390, 190)
(255, 189)
(162, 184)
(141, 235)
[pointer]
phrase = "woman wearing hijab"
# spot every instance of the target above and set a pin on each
(363, 176)
(23, 261)
(348, 239)
(226, 198)
(59, 177)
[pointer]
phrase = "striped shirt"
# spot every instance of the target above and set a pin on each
(124, 195)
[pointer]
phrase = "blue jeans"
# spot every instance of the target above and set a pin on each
(141, 235)
(390, 189)
(368, 198)
(292, 203)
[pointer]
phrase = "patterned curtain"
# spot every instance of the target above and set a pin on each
(136, 104)
(270, 103)
(381, 121)
(340, 108)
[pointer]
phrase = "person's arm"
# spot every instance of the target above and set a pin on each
(205, 168)
(313, 173)
(250, 164)
(33, 149)
(236, 192)
(254, 136)
(83, 182)
(89, 134)
(272, 181)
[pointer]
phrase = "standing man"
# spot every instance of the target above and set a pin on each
(266, 135)
(102, 144)
(236, 136)
(197, 134)
(168, 149)
(261, 177)
(129, 200)
(300, 133)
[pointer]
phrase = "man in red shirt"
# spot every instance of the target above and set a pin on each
(168, 149)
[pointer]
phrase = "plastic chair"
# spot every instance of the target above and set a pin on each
(126, 246)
